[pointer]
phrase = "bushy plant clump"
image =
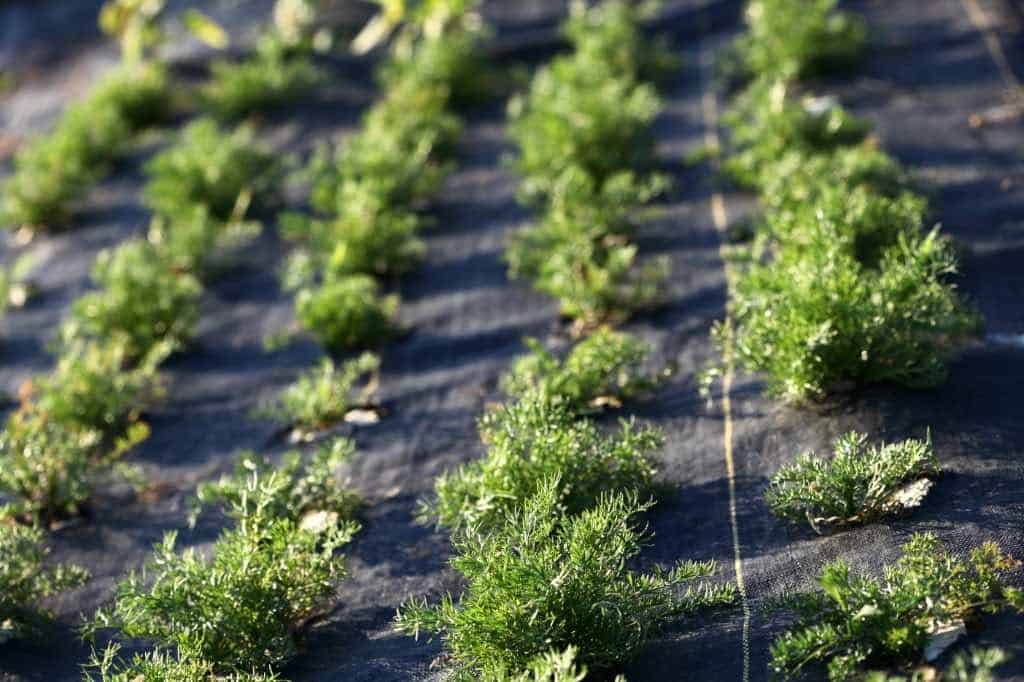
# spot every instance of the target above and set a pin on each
(368, 199)
(94, 386)
(325, 394)
(861, 622)
(275, 75)
(51, 468)
(581, 253)
(142, 302)
(299, 489)
(859, 484)
(530, 441)
(791, 39)
(541, 581)
(157, 666)
(585, 149)
(840, 286)
(601, 371)
(768, 124)
(55, 170)
(24, 579)
(210, 167)
(820, 321)
(348, 313)
(241, 609)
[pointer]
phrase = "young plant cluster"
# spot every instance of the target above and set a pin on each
(585, 149)
(544, 525)
(76, 422)
(841, 285)
(54, 171)
(858, 485)
(239, 610)
(920, 605)
(369, 196)
(326, 394)
(24, 580)
(278, 72)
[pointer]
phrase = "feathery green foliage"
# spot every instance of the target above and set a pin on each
(580, 253)
(324, 395)
(766, 126)
(211, 167)
(273, 76)
(93, 388)
(602, 370)
(790, 39)
(541, 580)
(24, 579)
(859, 484)
(296, 489)
(143, 302)
(974, 665)
(530, 441)
(588, 109)
(194, 241)
(553, 666)
(368, 236)
(368, 198)
(348, 313)
(585, 150)
(158, 666)
(242, 609)
(863, 223)
(50, 468)
(859, 622)
(817, 320)
(55, 170)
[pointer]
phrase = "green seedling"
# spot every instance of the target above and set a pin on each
(242, 608)
(274, 76)
(326, 394)
(143, 302)
(767, 125)
(348, 313)
(857, 485)
(24, 579)
(528, 442)
(602, 371)
(819, 321)
(306, 492)
(50, 469)
(211, 167)
(908, 615)
(534, 580)
(793, 39)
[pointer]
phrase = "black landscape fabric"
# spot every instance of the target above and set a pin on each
(928, 70)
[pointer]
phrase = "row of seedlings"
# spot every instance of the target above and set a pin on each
(841, 286)
(585, 151)
(238, 612)
(281, 554)
(54, 171)
(372, 191)
(290, 522)
(545, 524)
(74, 424)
